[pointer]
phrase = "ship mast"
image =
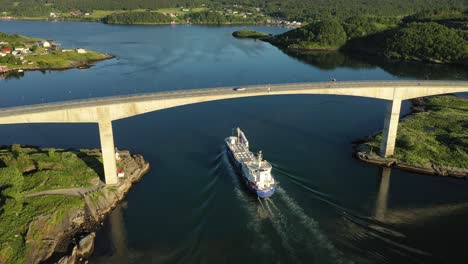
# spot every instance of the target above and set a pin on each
(260, 159)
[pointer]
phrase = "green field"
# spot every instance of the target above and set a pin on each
(178, 11)
(18, 39)
(41, 58)
(64, 59)
(247, 33)
(98, 14)
(438, 136)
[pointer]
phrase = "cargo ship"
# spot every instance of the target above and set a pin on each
(255, 172)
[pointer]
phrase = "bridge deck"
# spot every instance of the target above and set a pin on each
(224, 91)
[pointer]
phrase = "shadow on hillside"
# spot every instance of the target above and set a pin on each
(4, 197)
(93, 162)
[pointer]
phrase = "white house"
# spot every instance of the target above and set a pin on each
(81, 51)
(120, 173)
(45, 44)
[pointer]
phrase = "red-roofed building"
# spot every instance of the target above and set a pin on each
(120, 173)
(5, 51)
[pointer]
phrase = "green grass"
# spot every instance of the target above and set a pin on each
(178, 11)
(15, 38)
(58, 59)
(309, 45)
(98, 14)
(27, 170)
(438, 136)
(14, 225)
(42, 171)
(63, 59)
(42, 58)
(247, 33)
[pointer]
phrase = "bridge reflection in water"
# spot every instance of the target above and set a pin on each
(114, 231)
(382, 196)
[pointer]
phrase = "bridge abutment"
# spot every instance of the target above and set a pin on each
(392, 117)
(107, 147)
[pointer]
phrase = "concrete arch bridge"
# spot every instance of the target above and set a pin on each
(106, 109)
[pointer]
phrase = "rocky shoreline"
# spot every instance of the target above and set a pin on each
(432, 169)
(70, 239)
(365, 153)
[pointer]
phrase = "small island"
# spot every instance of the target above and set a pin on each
(52, 201)
(322, 35)
(21, 53)
(247, 33)
(433, 140)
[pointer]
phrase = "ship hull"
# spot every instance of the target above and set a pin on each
(250, 185)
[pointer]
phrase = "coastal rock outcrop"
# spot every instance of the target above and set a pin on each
(68, 237)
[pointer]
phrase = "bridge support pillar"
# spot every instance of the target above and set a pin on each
(392, 116)
(107, 147)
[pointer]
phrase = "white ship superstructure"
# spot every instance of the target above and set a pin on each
(255, 171)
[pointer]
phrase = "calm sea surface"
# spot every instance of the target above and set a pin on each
(191, 207)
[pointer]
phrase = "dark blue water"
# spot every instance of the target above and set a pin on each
(191, 207)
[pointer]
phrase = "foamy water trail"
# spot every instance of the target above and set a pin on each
(279, 228)
(255, 221)
(322, 244)
(285, 227)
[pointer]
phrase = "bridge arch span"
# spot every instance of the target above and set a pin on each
(104, 110)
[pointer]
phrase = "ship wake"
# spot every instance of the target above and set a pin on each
(279, 224)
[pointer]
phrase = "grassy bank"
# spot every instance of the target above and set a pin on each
(21, 52)
(436, 136)
(247, 33)
(26, 170)
(56, 60)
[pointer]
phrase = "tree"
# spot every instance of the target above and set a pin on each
(430, 42)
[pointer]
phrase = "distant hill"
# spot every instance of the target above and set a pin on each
(300, 10)
(429, 39)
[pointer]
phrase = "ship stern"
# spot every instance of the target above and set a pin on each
(266, 193)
